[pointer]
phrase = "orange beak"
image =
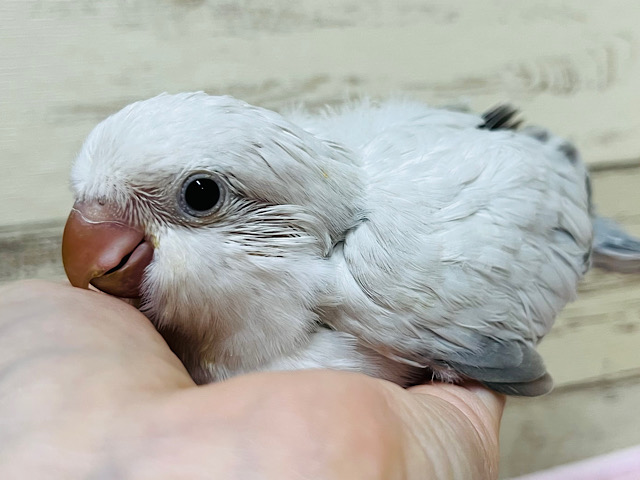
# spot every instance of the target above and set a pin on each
(100, 249)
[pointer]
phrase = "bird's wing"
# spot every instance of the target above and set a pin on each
(473, 241)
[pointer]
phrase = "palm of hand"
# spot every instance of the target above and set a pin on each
(88, 388)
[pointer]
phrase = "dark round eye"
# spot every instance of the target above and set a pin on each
(200, 195)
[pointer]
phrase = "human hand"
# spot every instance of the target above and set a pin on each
(89, 389)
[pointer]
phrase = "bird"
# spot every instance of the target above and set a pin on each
(391, 238)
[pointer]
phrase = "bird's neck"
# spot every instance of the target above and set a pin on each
(245, 328)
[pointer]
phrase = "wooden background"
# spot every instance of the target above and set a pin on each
(569, 65)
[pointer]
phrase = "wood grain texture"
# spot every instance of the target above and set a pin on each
(569, 425)
(570, 65)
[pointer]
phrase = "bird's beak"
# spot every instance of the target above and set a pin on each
(100, 249)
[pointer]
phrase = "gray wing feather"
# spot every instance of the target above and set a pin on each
(513, 368)
(475, 239)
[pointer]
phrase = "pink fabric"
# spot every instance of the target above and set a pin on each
(620, 465)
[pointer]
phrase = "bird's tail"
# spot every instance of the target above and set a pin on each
(613, 248)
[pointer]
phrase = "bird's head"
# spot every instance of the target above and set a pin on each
(186, 200)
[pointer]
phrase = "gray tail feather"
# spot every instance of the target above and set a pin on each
(613, 248)
(512, 368)
(540, 386)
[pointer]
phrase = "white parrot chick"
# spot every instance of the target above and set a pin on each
(405, 242)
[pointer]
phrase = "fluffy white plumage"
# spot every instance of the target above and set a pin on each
(398, 240)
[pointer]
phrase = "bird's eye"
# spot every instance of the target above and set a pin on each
(200, 195)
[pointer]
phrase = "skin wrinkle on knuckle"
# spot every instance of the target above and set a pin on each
(419, 431)
(469, 403)
(442, 423)
(482, 419)
(427, 437)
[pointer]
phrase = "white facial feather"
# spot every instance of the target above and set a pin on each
(419, 238)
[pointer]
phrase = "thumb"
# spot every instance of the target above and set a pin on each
(451, 431)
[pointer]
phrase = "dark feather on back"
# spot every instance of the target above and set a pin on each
(501, 117)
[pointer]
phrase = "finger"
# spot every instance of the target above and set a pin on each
(455, 431)
(45, 325)
(301, 424)
(323, 424)
(481, 404)
(73, 365)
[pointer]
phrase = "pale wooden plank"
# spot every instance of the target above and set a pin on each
(569, 425)
(31, 251)
(569, 64)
